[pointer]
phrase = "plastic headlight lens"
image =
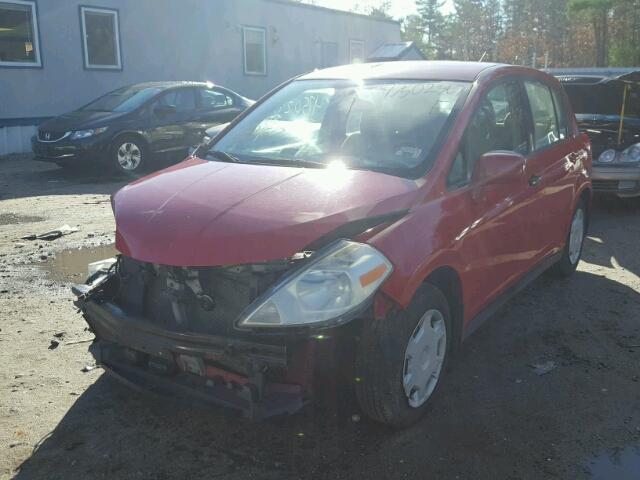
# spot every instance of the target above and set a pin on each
(337, 282)
(631, 154)
(79, 134)
(608, 156)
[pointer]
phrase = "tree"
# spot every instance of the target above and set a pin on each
(598, 12)
(412, 30)
(381, 11)
(431, 19)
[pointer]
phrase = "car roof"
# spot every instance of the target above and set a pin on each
(408, 70)
(172, 84)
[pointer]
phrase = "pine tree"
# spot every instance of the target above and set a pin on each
(431, 15)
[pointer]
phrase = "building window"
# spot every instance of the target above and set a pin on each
(101, 38)
(329, 54)
(255, 50)
(356, 51)
(19, 43)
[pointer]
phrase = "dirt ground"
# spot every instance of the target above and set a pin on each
(495, 418)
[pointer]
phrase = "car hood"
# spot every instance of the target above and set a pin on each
(203, 213)
(79, 119)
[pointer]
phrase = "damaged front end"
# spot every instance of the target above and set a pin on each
(177, 330)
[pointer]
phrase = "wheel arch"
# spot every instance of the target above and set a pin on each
(447, 280)
(129, 133)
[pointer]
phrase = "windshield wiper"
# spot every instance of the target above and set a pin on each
(223, 156)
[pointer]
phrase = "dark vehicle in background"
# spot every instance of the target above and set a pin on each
(607, 106)
(128, 128)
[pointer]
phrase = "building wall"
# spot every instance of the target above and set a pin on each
(176, 40)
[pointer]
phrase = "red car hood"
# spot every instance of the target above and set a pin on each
(202, 213)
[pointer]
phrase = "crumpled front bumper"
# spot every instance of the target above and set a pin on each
(622, 180)
(179, 364)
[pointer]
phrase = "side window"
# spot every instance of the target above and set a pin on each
(498, 124)
(561, 113)
(545, 124)
(213, 99)
(182, 98)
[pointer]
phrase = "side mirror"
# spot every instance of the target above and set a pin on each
(498, 168)
(163, 110)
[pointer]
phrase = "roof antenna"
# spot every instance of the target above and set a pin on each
(483, 55)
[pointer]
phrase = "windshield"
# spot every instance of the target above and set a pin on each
(123, 99)
(389, 126)
(604, 99)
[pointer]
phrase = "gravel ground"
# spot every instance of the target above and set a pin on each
(495, 417)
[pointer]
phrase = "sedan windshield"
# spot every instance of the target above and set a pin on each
(389, 126)
(124, 99)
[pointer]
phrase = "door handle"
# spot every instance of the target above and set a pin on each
(534, 180)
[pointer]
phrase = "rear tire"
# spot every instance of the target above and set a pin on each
(572, 251)
(396, 378)
(128, 155)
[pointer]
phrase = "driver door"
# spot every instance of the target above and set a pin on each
(494, 240)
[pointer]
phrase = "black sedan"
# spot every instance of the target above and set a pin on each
(127, 128)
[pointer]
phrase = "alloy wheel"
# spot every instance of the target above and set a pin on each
(129, 156)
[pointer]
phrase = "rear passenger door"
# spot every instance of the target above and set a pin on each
(551, 167)
(170, 116)
(214, 107)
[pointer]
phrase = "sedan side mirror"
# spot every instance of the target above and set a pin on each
(498, 167)
(163, 110)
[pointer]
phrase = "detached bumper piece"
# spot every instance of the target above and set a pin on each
(169, 363)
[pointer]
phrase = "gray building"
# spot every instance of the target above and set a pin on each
(56, 55)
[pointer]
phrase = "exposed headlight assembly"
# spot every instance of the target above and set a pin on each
(79, 134)
(336, 283)
(631, 154)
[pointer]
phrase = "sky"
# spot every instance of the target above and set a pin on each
(399, 8)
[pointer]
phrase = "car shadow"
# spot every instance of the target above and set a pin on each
(494, 417)
(21, 177)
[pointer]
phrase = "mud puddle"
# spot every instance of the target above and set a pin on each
(620, 464)
(71, 265)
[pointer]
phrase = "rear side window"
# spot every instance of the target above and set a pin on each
(499, 123)
(182, 98)
(561, 113)
(545, 125)
(214, 99)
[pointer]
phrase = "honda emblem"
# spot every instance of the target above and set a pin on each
(47, 136)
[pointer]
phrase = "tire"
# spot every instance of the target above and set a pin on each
(572, 251)
(382, 359)
(128, 155)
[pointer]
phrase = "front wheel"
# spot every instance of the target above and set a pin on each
(573, 246)
(129, 155)
(402, 358)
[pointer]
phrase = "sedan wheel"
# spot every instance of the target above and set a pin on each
(129, 156)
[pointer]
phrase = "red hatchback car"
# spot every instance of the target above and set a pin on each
(357, 222)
